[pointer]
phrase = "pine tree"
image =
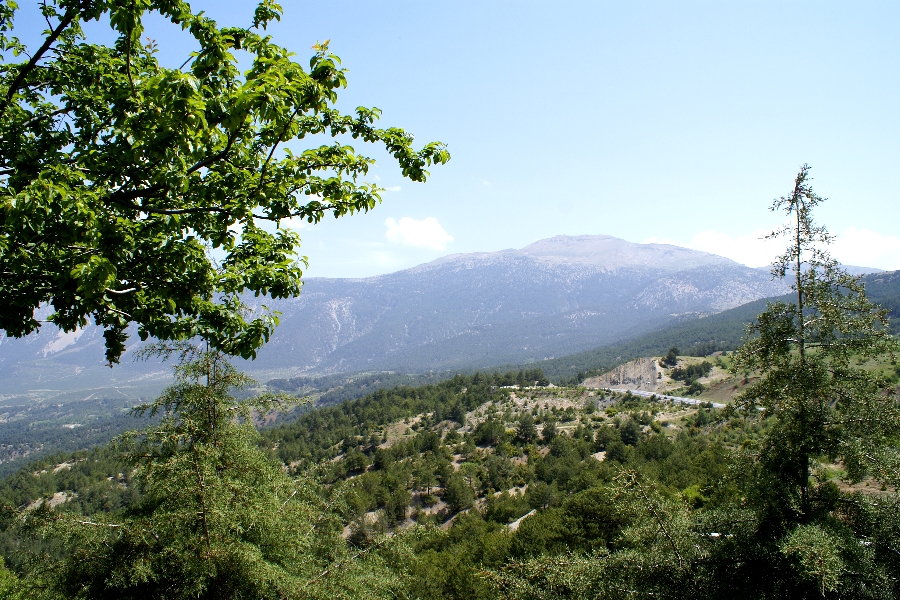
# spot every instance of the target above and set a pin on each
(216, 519)
(526, 431)
(809, 539)
(808, 355)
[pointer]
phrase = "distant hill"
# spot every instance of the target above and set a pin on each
(551, 298)
(698, 337)
(472, 310)
(851, 269)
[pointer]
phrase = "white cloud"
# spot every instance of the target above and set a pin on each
(866, 248)
(751, 249)
(393, 188)
(426, 233)
(297, 223)
(859, 247)
(293, 223)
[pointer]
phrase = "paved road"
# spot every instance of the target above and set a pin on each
(665, 397)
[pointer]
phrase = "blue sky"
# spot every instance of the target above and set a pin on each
(650, 121)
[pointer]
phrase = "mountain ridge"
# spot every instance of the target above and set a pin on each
(560, 248)
(553, 297)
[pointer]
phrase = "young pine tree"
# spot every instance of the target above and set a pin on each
(216, 519)
(807, 354)
(824, 406)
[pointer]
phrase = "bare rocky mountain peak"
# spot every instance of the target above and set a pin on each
(602, 253)
(610, 252)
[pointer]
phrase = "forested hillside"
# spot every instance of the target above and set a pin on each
(35, 428)
(482, 472)
(467, 454)
(701, 337)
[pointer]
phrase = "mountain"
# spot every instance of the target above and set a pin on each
(696, 337)
(80, 418)
(554, 297)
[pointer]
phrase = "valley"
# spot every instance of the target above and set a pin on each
(34, 421)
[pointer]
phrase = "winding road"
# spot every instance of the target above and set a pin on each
(680, 399)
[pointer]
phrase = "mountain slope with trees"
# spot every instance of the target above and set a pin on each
(34, 429)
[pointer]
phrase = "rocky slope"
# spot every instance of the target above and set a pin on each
(556, 296)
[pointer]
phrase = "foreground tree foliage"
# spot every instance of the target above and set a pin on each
(119, 175)
(10, 586)
(655, 553)
(216, 518)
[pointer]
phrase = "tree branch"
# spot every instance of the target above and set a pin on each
(123, 199)
(99, 524)
(278, 140)
(55, 113)
(24, 71)
(117, 311)
(217, 156)
(649, 503)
